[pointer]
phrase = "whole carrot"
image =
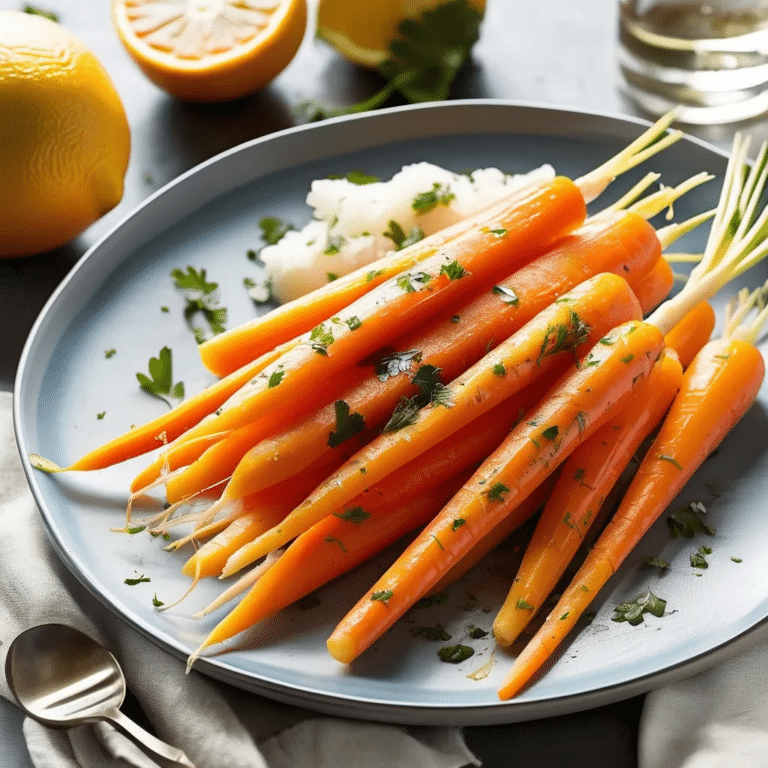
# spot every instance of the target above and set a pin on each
(590, 474)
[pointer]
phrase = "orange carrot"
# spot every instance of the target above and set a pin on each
(717, 389)
(552, 338)
(239, 345)
(588, 476)
(692, 332)
(591, 472)
(581, 401)
(655, 286)
(621, 242)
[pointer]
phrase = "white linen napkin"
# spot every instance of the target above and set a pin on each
(715, 719)
(215, 725)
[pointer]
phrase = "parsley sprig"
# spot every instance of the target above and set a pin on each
(423, 61)
(160, 380)
(202, 298)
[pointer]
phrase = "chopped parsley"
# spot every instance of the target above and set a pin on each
(357, 177)
(397, 235)
(353, 323)
(157, 603)
(382, 596)
(406, 413)
(354, 515)
(137, 580)
(632, 612)
(476, 633)
(455, 654)
(699, 558)
(499, 369)
(564, 338)
(424, 202)
(454, 270)
(396, 363)
(273, 230)
(686, 521)
(259, 292)
(203, 300)
(347, 424)
(373, 274)
(508, 296)
(334, 244)
(40, 12)
(496, 492)
(656, 562)
(430, 601)
(109, 353)
(320, 338)
(101, 415)
(275, 378)
(160, 380)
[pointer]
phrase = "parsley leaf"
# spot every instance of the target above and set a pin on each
(203, 300)
(397, 235)
(633, 611)
(354, 515)
(273, 229)
(454, 654)
(686, 521)
(424, 202)
(137, 580)
(508, 296)
(160, 380)
(424, 58)
(347, 424)
(431, 633)
(40, 12)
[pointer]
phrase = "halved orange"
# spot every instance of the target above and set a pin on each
(211, 50)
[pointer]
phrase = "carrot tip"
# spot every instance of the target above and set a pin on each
(45, 465)
(342, 648)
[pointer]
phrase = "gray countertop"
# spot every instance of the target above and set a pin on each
(561, 52)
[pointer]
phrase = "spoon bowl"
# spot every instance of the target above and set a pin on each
(62, 678)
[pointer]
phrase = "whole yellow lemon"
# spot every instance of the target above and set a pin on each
(64, 136)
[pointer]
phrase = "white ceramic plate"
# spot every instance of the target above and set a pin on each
(208, 218)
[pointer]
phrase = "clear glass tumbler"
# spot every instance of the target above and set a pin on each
(708, 58)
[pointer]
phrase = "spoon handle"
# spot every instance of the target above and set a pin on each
(163, 754)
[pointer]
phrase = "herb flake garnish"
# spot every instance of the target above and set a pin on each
(347, 424)
(160, 380)
(397, 235)
(202, 300)
(396, 363)
(424, 202)
(455, 654)
(632, 612)
(508, 296)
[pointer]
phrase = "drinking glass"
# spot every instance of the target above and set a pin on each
(708, 58)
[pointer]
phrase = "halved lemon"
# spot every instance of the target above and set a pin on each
(211, 50)
(361, 30)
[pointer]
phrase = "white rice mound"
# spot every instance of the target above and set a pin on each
(350, 220)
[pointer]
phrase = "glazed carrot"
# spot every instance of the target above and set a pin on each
(588, 476)
(581, 401)
(572, 410)
(655, 286)
(692, 332)
(166, 428)
(551, 338)
(239, 345)
(717, 389)
(591, 472)
(621, 242)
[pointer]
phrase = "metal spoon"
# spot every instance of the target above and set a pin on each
(62, 678)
